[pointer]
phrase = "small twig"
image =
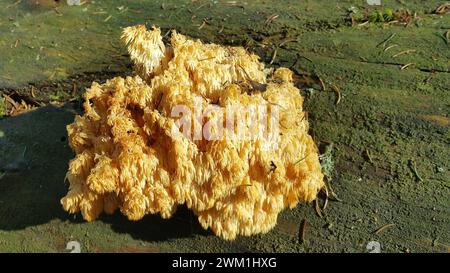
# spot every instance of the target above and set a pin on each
(392, 22)
(322, 84)
(276, 104)
(387, 40)
(442, 9)
(326, 198)
(363, 24)
(243, 185)
(414, 169)
(287, 41)
(369, 156)
(338, 93)
(300, 160)
(167, 33)
(300, 56)
(74, 89)
(202, 25)
(107, 18)
(159, 101)
(33, 95)
(406, 66)
(273, 56)
(302, 231)
(333, 194)
(404, 52)
(389, 47)
(255, 85)
(382, 228)
(271, 18)
(234, 4)
(205, 59)
(8, 98)
(317, 208)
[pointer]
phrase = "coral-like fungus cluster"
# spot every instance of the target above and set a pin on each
(128, 156)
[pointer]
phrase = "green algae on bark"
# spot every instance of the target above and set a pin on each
(391, 115)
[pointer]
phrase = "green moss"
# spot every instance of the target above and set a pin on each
(379, 16)
(376, 129)
(59, 95)
(2, 107)
(425, 87)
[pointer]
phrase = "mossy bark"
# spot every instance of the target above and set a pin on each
(390, 130)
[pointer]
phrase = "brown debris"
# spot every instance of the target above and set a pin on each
(443, 9)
